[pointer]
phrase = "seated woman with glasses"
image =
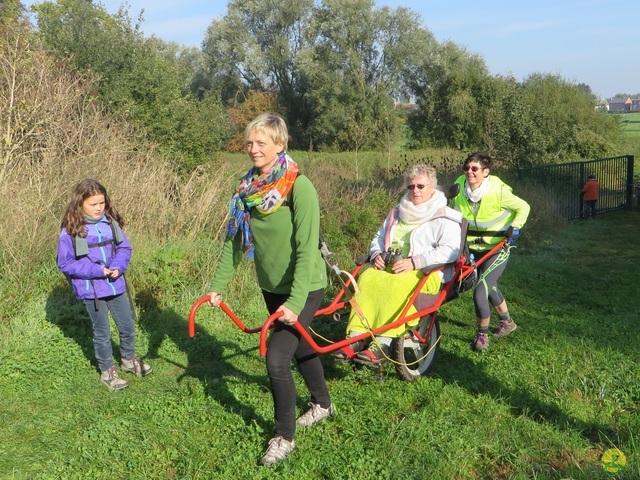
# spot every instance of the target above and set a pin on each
(421, 233)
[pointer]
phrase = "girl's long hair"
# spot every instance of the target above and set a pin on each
(74, 218)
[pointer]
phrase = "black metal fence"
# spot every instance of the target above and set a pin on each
(563, 183)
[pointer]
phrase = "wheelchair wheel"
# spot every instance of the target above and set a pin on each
(413, 358)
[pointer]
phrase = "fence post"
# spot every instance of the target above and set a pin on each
(583, 176)
(630, 186)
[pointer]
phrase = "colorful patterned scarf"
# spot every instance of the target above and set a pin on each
(265, 192)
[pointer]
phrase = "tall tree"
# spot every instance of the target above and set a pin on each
(453, 89)
(354, 74)
(255, 46)
(11, 10)
(93, 40)
(585, 88)
(510, 130)
(335, 64)
(568, 120)
(146, 80)
(546, 119)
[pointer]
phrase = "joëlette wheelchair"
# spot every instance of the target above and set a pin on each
(412, 353)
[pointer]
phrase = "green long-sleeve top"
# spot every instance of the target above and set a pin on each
(286, 252)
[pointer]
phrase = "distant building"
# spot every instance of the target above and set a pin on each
(618, 104)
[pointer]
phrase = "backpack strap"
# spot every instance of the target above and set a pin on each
(81, 246)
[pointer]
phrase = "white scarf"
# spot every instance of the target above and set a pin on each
(476, 195)
(413, 214)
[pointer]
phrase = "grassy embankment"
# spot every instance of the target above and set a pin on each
(545, 402)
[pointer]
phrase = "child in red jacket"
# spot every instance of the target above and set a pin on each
(590, 194)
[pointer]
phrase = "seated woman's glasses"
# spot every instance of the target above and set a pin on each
(413, 186)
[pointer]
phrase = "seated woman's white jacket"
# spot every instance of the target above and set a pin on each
(432, 244)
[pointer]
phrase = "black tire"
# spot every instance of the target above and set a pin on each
(406, 350)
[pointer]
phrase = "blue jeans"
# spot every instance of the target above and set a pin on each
(590, 208)
(120, 309)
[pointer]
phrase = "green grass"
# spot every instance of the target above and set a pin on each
(631, 124)
(543, 403)
(630, 143)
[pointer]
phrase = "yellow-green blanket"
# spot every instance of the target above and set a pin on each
(382, 297)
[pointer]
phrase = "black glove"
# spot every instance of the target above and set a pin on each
(512, 234)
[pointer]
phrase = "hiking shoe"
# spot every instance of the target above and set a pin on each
(376, 354)
(315, 414)
(505, 328)
(481, 342)
(136, 367)
(346, 353)
(278, 449)
(112, 380)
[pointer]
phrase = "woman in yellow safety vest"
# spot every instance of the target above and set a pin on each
(493, 213)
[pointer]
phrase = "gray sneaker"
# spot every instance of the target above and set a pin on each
(315, 414)
(135, 366)
(112, 380)
(278, 449)
(505, 328)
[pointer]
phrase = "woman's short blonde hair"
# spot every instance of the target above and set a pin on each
(421, 170)
(273, 125)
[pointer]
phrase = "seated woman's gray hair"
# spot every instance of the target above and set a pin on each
(421, 170)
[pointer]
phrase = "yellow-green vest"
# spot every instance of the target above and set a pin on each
(488, 225)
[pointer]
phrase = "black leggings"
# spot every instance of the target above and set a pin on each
(487, 292)
(286, 343)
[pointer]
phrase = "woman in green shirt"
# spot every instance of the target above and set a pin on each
(282, 237)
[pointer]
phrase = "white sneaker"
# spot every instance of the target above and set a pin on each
(278, 449)
(315, 414)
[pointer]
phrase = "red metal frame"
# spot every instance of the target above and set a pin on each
(461, 271)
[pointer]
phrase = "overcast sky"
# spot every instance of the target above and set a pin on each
(585, 41)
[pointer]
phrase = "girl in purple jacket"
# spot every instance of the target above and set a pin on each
(93, 253)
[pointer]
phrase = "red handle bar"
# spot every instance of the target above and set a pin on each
(202, 300)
